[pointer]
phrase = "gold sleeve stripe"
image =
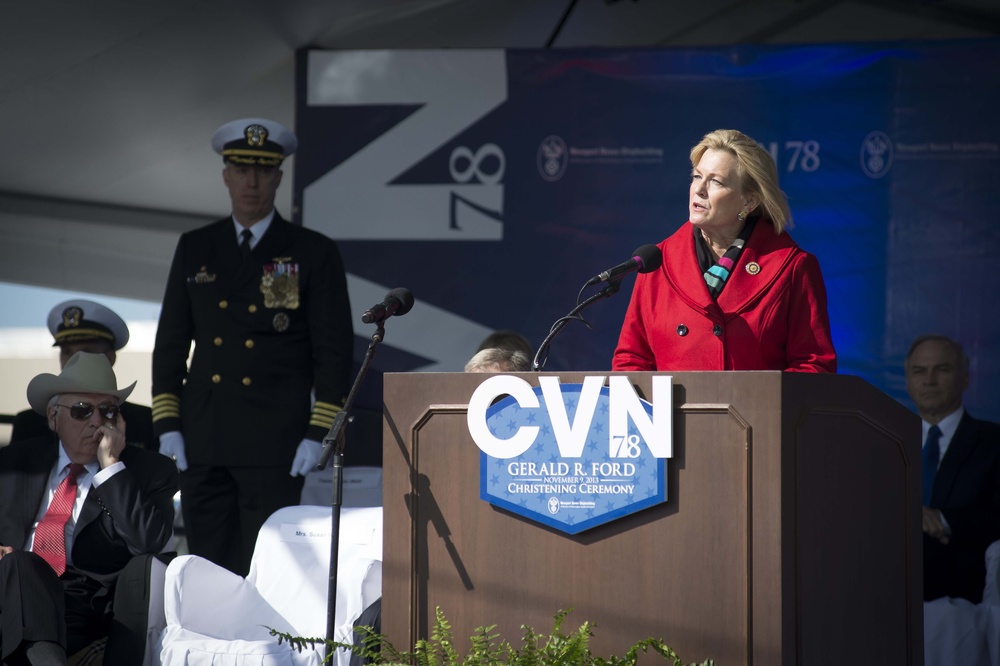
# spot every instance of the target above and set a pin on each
(327, 408)
(321, 423)
(323, 414)
(165, 406)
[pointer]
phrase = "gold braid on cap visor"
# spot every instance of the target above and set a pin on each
(245, 156)
(86, 333)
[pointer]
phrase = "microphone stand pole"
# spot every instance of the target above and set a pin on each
(333, 444)
(608, 291)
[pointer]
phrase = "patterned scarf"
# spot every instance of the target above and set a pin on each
(717, 273)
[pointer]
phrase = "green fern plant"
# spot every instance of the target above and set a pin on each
(488, 649)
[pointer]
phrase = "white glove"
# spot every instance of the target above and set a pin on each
(306, 457)
(172, 446)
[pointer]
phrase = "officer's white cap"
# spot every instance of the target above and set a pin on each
(80, 320)
(254, 141)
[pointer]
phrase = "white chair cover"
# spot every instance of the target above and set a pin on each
(361, 486)
(156, 620)
(215, 618)
(956, 631)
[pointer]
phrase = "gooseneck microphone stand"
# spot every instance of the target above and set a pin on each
(333, 445)
(542, 355)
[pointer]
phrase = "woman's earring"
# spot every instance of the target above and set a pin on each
(742, 216)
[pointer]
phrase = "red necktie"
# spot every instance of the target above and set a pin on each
(50, 535)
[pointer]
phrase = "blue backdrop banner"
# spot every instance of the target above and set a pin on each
(494, 183)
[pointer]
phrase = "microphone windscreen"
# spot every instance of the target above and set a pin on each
(405, 298)
(650, 256)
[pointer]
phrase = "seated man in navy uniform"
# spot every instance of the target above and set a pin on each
(265, 302)
(77, 508)
(82, 325)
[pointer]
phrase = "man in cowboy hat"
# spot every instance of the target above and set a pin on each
(81, 325)
(76, 506)
(265, 302)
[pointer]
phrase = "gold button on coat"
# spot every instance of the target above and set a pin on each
(218, 342)
(252, 308)
(216, 379)
(223, 304)
(246, 381)
(249, 344)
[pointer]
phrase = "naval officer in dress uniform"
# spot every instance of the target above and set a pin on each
(81, 325)
(265, 303)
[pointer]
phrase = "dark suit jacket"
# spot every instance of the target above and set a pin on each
(132, 513)
(138, 426)
(967, 491)
(261, 347)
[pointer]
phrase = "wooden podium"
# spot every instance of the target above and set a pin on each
(791, 533)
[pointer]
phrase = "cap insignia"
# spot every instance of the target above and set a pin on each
(72, 316)
(256, 135)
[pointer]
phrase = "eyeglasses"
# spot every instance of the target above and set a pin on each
(82, 411)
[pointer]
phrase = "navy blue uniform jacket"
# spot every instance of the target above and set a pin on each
(267, 331)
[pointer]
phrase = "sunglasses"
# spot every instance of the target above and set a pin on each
(82, 411)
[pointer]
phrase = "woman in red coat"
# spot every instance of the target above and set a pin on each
(734, 292)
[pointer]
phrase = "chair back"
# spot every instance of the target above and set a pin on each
(957, 631)
(291, 564)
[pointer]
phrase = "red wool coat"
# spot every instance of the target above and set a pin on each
(773, 318)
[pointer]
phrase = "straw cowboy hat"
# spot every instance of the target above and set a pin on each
(84, 373)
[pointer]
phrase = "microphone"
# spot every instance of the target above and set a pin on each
(397, 302)
(645, 259)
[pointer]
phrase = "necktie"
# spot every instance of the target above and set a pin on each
(245, 237)
(50, 535)
(932, 453)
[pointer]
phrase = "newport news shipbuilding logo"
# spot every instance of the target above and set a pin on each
(554, 157)
(572, 456)
(879, 151)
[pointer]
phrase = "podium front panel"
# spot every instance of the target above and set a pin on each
(716, 571)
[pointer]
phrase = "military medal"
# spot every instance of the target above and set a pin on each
(280, 285)
(202, 277)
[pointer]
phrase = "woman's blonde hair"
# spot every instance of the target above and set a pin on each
(756, 171)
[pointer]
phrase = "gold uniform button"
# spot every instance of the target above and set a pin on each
(216, 379)
(249, 344)
(246, 381)
(252, 308)
(218, 342)
(223, 304)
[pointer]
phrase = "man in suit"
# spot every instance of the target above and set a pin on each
(265, 302)
(81, 325)
(113, 503)
(961, 471)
